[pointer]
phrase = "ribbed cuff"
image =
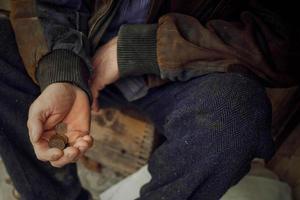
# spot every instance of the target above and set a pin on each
(137, 50)
(63, 66)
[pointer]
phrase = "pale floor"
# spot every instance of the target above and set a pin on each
(95, 182)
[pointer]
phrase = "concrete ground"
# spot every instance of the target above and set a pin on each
(6, 187)
(95, 182)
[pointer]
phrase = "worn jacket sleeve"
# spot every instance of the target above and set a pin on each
(59, 45)
(179, 47)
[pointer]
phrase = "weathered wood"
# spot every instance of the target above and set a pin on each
(121, 142)
(285, 103)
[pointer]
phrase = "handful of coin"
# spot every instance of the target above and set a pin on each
(59, 140)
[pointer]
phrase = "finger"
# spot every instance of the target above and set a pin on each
(95, 105)
(70, 154)
(84, 143)
(96, 85)
(44, 153)
(74, 135)
(89, 139)
(95, 93)
(35, 127)
(48, 134)
(78, 158)
(35, 122)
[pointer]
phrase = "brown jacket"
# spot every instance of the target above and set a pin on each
(184, 39)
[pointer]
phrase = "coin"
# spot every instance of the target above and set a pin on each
(58, 141)
(61, 128)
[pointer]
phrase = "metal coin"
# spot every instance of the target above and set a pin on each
(58, 141)
(61, 128)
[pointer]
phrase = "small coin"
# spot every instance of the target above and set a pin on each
(58, 141)
(61, 128)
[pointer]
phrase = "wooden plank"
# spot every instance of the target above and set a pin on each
(121, 142)
(285, 103)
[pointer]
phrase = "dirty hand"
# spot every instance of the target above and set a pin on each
(60, 102)
(106, 69)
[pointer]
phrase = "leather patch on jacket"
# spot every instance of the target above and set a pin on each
(5, 7)
(29, 34)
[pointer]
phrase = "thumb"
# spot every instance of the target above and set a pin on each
(35, 123)
(37, 130)
(95, 105)
(95, 94)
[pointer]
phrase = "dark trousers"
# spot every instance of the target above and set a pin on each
(214, 125)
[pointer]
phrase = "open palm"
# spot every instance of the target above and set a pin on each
(60, 102)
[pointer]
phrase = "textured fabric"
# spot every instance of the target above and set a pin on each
(231, 36)
(186, 48)
(60, 70)
(131, 12)
(5, 7)
(183, 48)
(32, 45)
(44, 26)
(137, 50)
(132, 88)
(213, 125)
(32, 178)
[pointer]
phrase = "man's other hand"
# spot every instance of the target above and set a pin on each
(60, 102)
(106, 69)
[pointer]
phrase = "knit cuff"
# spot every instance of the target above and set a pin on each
(137, 50)
(63, 66)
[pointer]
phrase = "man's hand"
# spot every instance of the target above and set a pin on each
(106, 69)
(60, 102)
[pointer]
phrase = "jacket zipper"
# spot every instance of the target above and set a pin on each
(99, 16)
